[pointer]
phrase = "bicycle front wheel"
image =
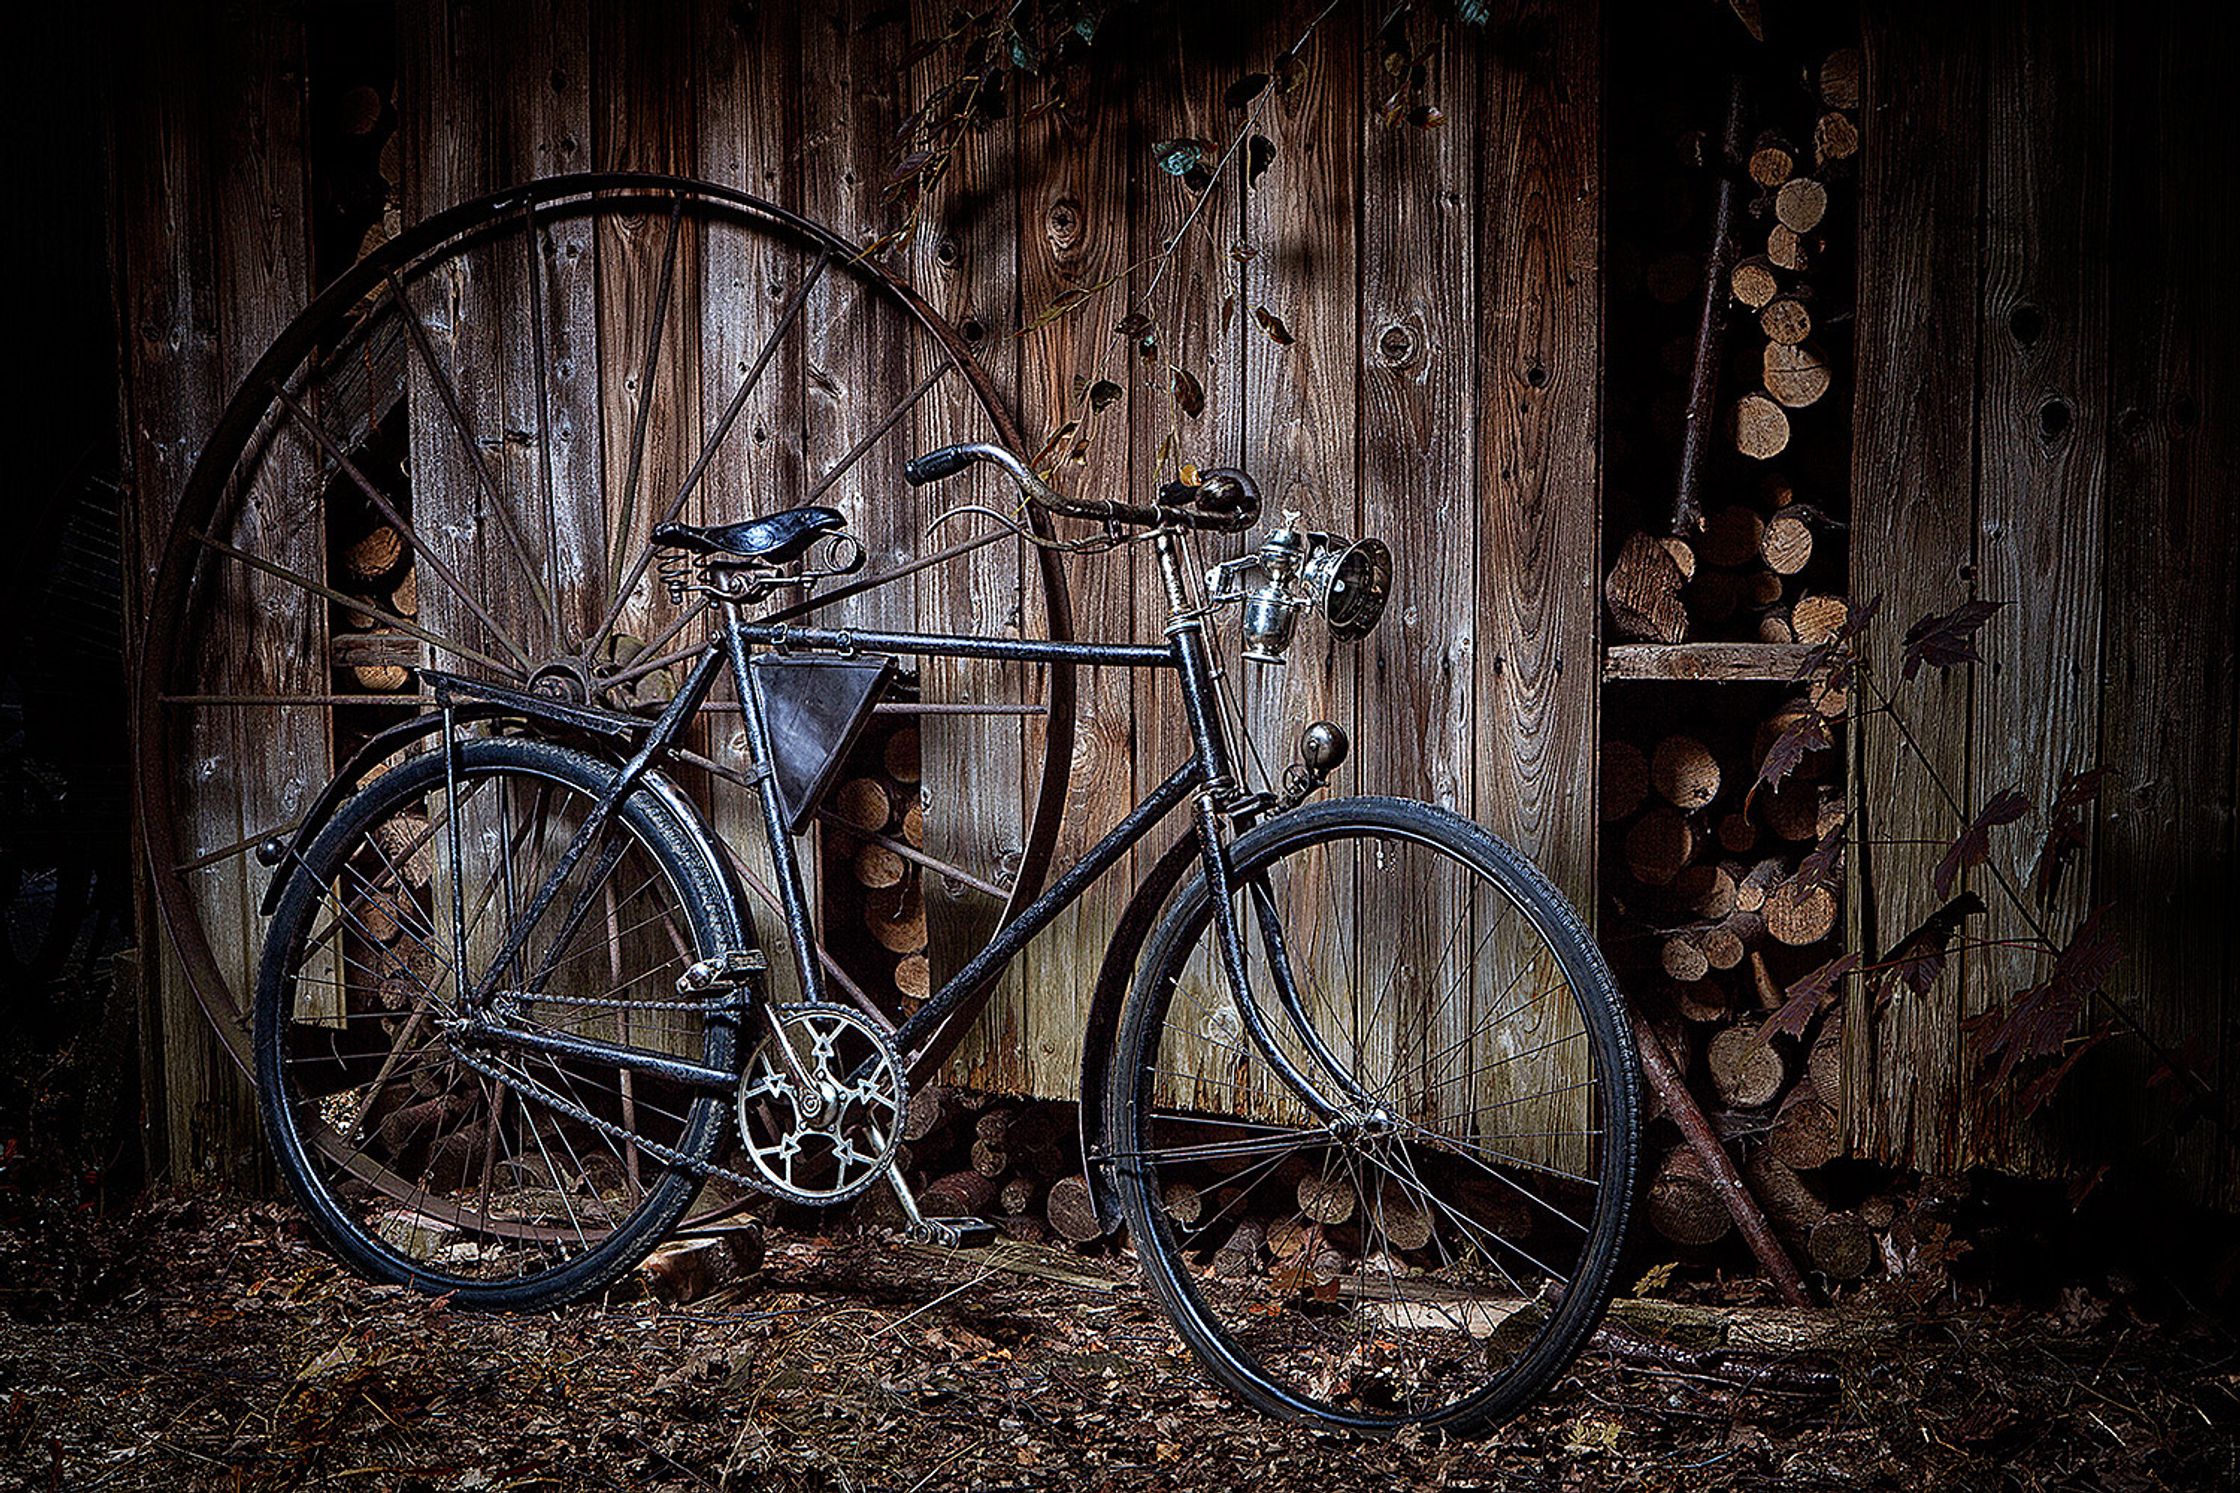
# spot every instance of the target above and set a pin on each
(508, 1178)
(1437, 1252)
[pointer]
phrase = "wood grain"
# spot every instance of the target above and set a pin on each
(1538, 464)
(1300, 425)
(1416, 369)
(1913, 457)
(2042, 502)
(2166, 851)
(1074, 235)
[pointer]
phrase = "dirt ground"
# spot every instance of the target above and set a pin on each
(206, 1345)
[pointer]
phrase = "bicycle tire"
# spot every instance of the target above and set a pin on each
(1193, 1294)
(336, 1192)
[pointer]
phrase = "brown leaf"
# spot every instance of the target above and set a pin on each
(1427, 116)
(1189, 394)
(1259, 155)
(1290, 73)
(1916, 960)
(1245, 90)
(1807, 998)
(1944, 640)
(1273, 325)
(1789, 750)
(2042, 1088)
(1102, 393)
(2042, 1017)
(1819, 867)
(1974, 845)
(2068, 831)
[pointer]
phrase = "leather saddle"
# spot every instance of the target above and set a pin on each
(775, 538)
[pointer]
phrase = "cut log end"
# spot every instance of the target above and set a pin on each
(1761, 427)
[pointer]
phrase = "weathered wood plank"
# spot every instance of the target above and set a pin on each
(2166, 853)
(1190, 298)
(648, 297)
(973, 781)
(1913, 459)
(212, 257)
(1736, 662)
(1073, 236)
(1300, 415)
(1539, 210)
(1414, 722)
(2041, 501)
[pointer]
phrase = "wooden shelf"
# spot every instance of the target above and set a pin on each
(1724, 663)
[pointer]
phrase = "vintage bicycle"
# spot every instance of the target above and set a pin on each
(513, 1011)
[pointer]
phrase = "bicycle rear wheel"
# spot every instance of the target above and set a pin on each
(1437, 1255)
(512, 1178)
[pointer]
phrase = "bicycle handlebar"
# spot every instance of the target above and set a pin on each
(1227, 501)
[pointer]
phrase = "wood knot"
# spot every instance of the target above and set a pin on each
(1063, 225)
(2053, 418)
(2027, 323)
(1396, 344)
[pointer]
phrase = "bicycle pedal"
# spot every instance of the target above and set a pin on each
(955, 1233)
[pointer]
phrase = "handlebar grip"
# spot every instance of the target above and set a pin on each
(935, 465)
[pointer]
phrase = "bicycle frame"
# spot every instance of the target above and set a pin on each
(1206, 780)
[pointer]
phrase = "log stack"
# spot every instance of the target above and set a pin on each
(1013, 1161)
(1718, 905)
(1752, 535)
(871, 824)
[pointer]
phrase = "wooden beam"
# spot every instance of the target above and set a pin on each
(2166, 851)
(1707, 662)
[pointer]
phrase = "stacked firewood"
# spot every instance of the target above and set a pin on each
(1725, 896)
(971, 1154)
(1748, 546)
(371, 656)
(873, 823)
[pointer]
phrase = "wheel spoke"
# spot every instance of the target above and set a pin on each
(448, 396)
(643, 419)
(753, 376)
(854, 453)
(356, 604)
(421, 553)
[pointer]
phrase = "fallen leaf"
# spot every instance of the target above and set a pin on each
(1273, 325)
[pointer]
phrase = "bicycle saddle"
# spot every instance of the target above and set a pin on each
(776, 537)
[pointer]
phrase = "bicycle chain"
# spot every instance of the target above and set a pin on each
(668, 1154)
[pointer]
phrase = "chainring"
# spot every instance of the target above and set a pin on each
(849, 1143)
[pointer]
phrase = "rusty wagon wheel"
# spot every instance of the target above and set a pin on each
(454, 457)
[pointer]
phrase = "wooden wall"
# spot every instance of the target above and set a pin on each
(1442, 287)
(2045, 364)
(2044, 418)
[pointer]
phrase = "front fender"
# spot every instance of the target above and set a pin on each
(1114, 977)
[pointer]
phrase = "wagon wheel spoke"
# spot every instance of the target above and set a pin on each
(448, 396)
(629, 582)
(356, 604)
(644, 412)
(422, 553)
